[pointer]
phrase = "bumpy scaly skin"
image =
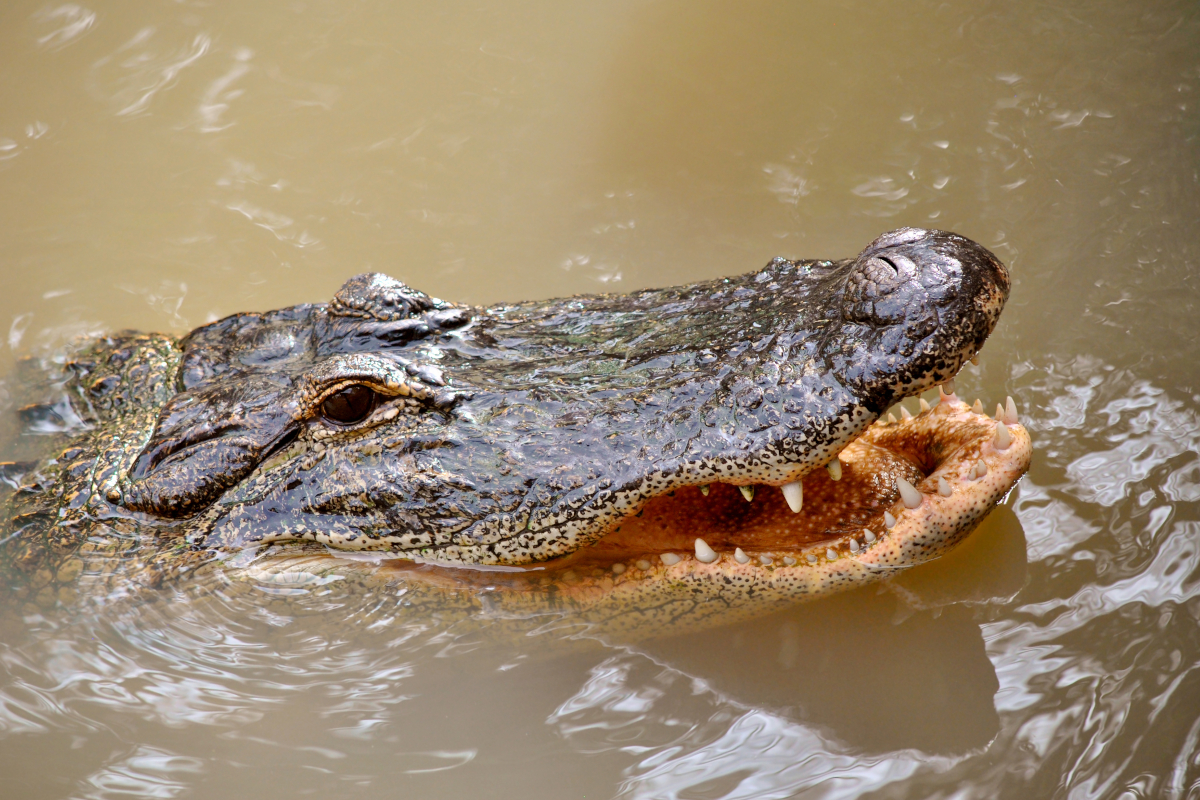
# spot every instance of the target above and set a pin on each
(509, 435)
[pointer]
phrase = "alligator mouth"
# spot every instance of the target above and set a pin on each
(909, 490)
(903, 492)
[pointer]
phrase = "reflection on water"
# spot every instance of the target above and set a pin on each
(165, 165)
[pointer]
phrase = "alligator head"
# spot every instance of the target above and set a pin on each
(617, 437)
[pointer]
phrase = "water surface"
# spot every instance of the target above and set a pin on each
(165, 164)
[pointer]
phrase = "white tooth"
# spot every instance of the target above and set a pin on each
(975, 360)
(999, 412)
(1003, 438)
(704, 553)
(1010, 412)
(747, 492)
(740, 557)
(704, 489)
(947, 387)
(868, 535)
(794, 494)
(642, 564)
(831, 554)
(905, 413)
(978, 407)
(889, 521)
(671, 559)
(923, 403)
(944, 488)
(765, 561)
(980, 468)
(835, 469)
(811, 558)
(618, 569)
(791, 562)
(908, 493)
(891, 418)
(854, 545)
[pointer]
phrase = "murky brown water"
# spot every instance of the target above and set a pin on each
(162, 165)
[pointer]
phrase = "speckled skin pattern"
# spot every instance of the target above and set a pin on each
(521, 434)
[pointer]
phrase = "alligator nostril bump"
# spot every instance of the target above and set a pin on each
(890, 263)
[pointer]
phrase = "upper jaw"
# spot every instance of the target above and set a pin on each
(764, 395)
(575, 413)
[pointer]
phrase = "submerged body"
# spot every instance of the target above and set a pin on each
(591, 456)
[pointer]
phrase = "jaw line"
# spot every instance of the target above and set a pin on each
(919, 534)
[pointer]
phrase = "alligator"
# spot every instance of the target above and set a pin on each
(681, 456)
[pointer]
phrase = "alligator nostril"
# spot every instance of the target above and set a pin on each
(890, 263)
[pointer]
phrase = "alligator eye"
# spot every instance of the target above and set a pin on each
(348, 406)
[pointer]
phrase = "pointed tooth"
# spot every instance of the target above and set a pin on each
(1003, 437)
(889, 521)
(905, 413)
(704, 553)
(868, 535)
(791, 562)
(854, 545)
(944, 488)
(921, 401)
(794, 494)
(704, 489)
(740, 556)
(975, 361)
(766, 561)
(999, 412)
(891, 418)
(642, 564)
(978, 407)
(747, 492)
(980, 468)
(810, 558)
(835, 469)
(671, 559)
(1010, 412)
(948, 387)
(831, 554)
(617, 569)
(908, 493)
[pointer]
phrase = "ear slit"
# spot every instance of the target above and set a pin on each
(284, 440)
